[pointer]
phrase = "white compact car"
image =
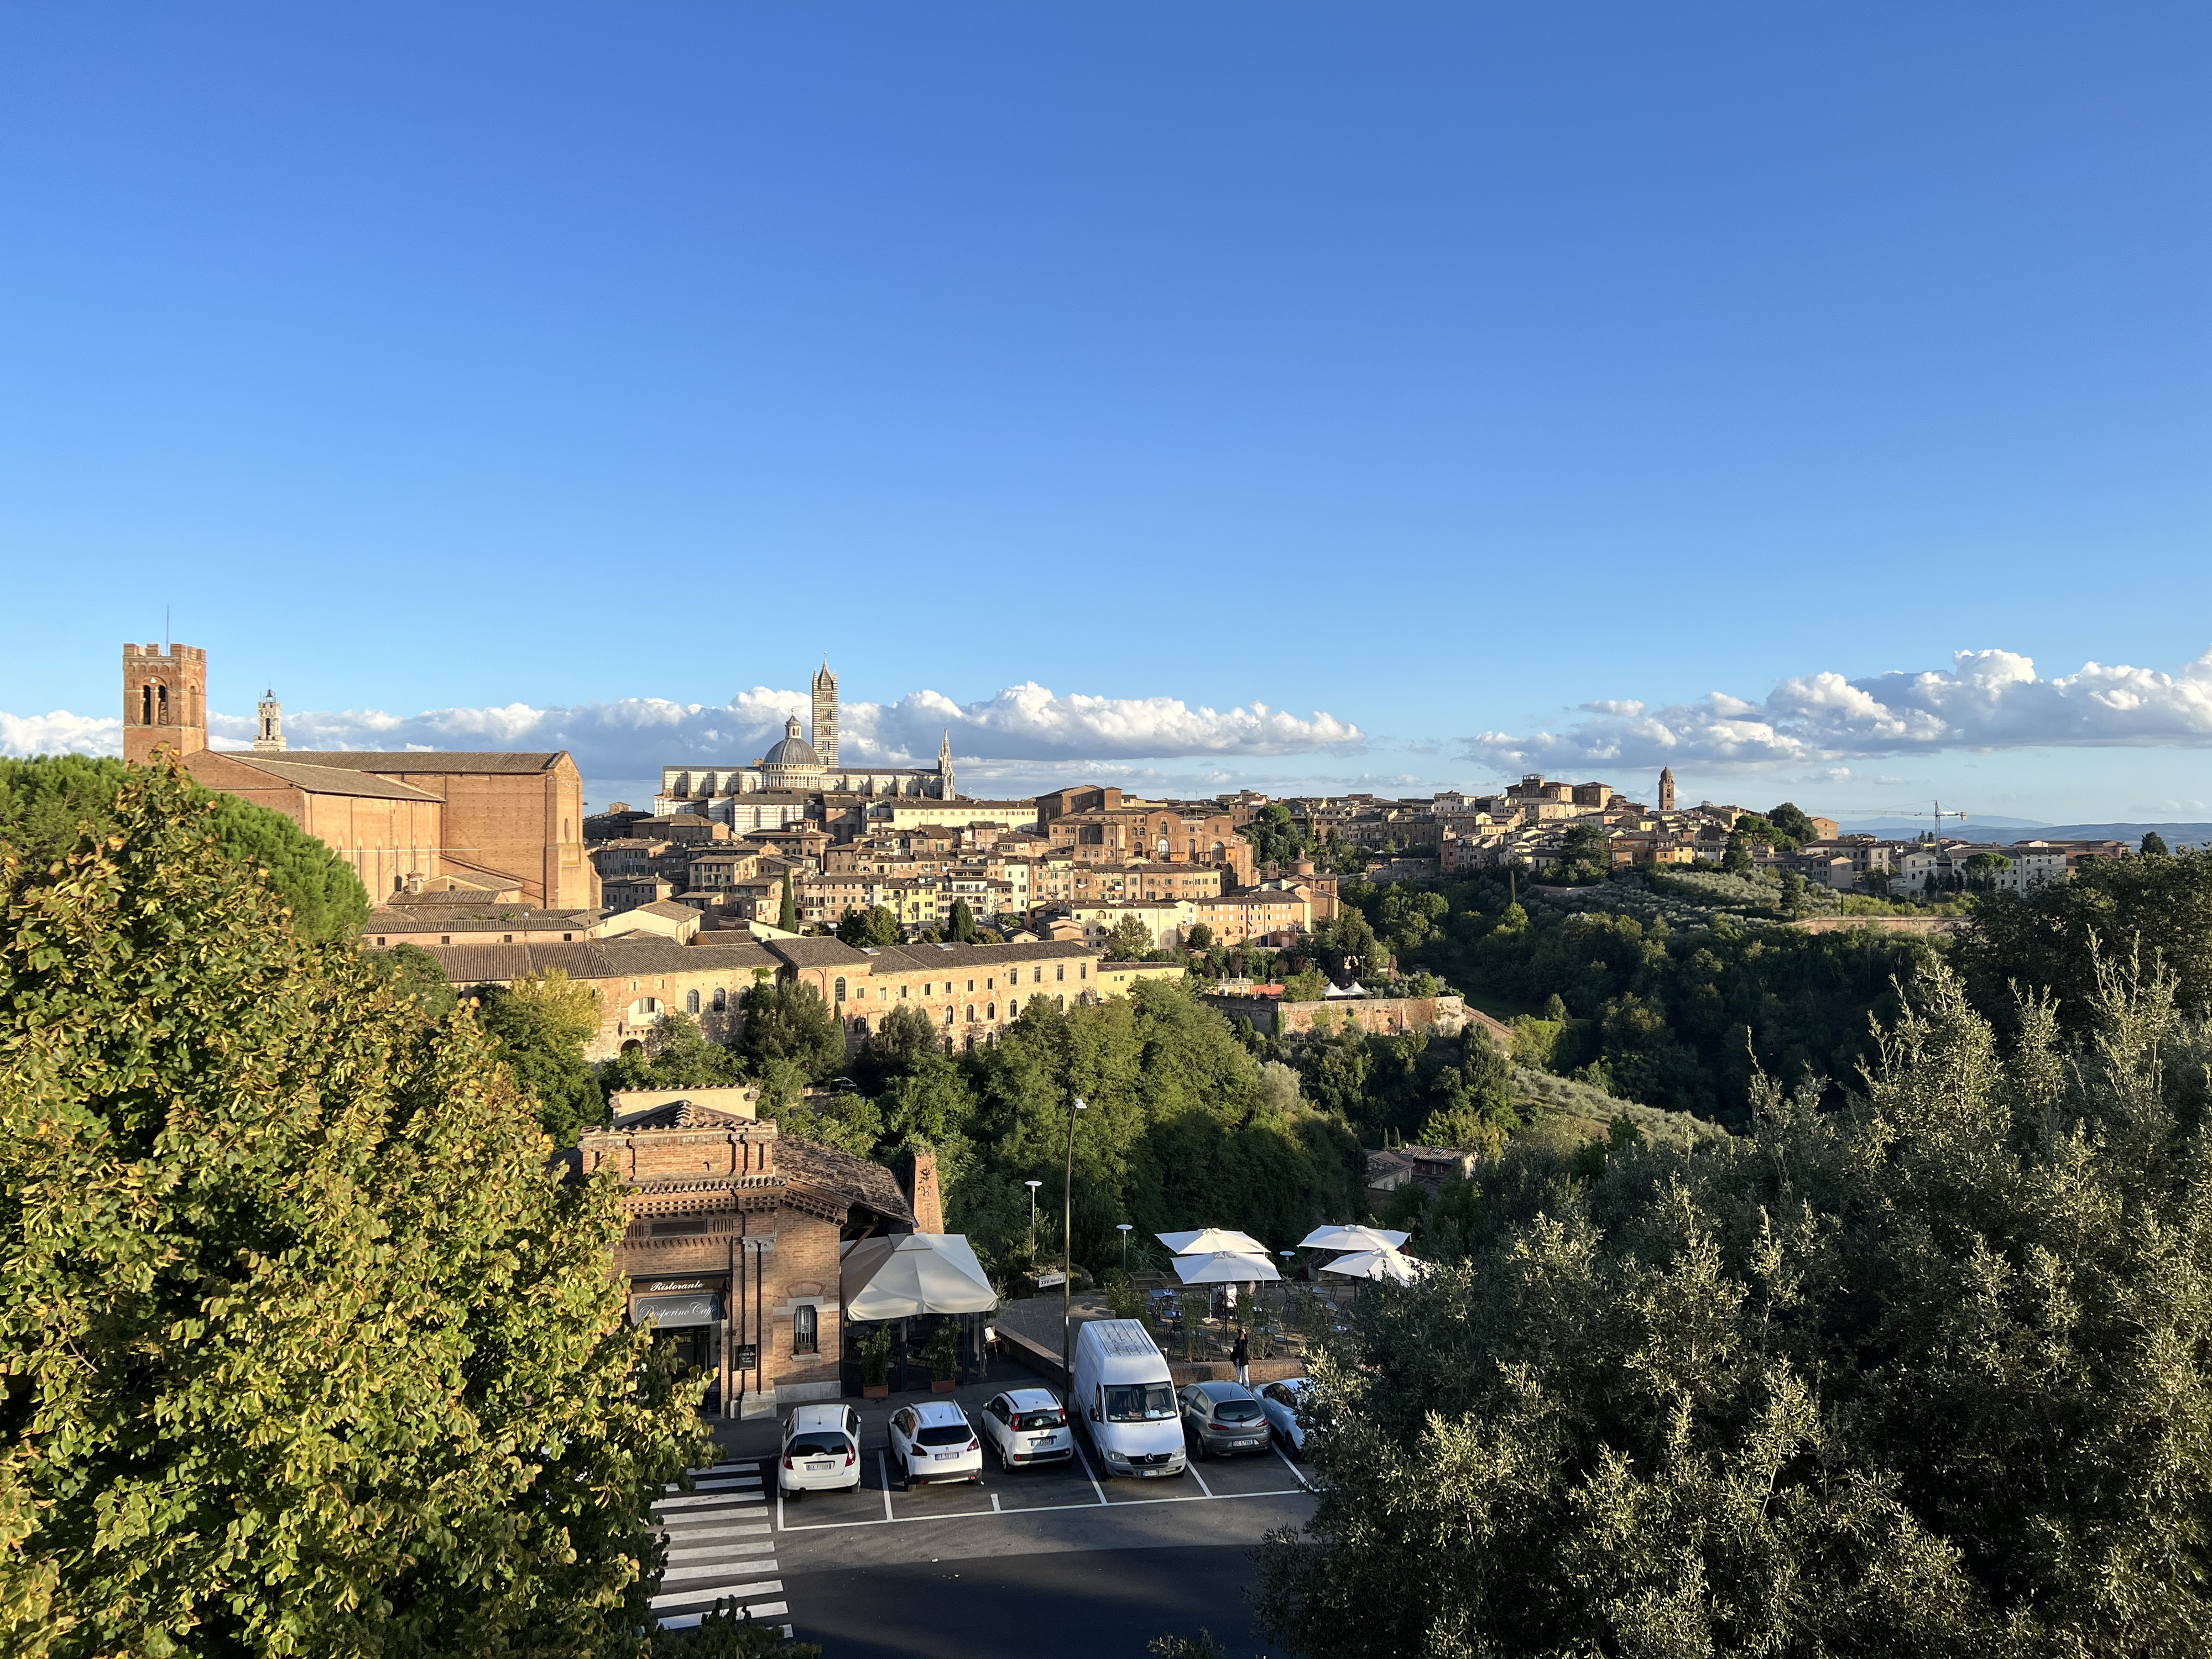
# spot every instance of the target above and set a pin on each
(821, 1451)
(934, 1441)
(1028, 1425)
(1281, 1402)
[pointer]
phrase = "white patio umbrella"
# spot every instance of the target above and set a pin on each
(1209, 1241)
(908, 1274)
(1353, 1237)
(1225, 1267)
(1379, 1264)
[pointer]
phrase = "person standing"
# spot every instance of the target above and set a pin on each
(1241, 1357)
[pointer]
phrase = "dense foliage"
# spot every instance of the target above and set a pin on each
(2051, 938)
(306, 1350)
(46, 800)
(1679, 1015)
(1925, 1376)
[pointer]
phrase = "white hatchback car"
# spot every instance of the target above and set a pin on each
(1028, 1425)
(821, 1450)
(1282, 1401)
(933, 1440)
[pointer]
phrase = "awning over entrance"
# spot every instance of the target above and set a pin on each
(911, 1274)
(668, 1311)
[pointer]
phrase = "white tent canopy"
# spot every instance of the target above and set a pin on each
(1353, 1237)
(906, 1274)
(1379, 1264)
(1211, 1241)
(1225, 1267)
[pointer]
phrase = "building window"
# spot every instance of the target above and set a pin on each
(1061, 972)
(1083, 971)
(991, 1011)
(971, 987)
(948, 1016)
(721, 999)
(840, 991)
(1060, 1002)
(805, 1332)
(691, 1002)
(445, 939)
(902, 991)
(971, 1013)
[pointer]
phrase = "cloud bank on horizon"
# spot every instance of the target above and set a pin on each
(1986, 700)
(635, 736)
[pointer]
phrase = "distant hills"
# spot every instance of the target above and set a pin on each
(2009, 829)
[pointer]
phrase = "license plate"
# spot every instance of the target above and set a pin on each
(1152, 1475)
(1248, 1443)
(824, 1467)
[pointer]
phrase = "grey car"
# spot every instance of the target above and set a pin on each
(1220, 1420)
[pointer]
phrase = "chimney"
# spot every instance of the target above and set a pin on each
(928, 1204)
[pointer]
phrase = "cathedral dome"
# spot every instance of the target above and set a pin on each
(792, 763)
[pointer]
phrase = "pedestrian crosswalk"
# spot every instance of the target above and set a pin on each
(721, 1548)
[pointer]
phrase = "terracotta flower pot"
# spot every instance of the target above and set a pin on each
(875, 1390)
(943, 1385)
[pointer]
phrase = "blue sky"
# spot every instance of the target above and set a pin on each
(1295, 395)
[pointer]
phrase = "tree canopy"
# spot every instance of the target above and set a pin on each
(307, 1349)
(44, 801)
(1925, 1375)
(874, 925)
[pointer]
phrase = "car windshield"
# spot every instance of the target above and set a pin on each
(1139, 1402)
(1051, 1419)
(820, 1445)
(1235, 1411)
(945, 1434)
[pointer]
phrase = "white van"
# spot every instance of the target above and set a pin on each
(1126, 1400)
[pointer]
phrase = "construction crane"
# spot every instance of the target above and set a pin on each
(1938, 815)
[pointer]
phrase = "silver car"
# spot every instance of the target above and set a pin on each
(1220, 1420)
(1282, 1402)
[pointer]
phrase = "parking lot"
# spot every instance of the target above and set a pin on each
(1072, 1486)
(952, 1571)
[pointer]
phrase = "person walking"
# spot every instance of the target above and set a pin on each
(1241, 1357)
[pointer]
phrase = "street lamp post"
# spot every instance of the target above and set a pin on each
(1033, 1186)
(1067, 1250)
(1122, 1227)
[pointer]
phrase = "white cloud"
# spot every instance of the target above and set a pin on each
(1986, 700)
(635, 736)
(60, 733)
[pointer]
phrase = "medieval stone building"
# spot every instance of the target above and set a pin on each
(734, 1241)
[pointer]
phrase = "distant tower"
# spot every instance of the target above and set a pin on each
(1666, 789)
(944, 790)
(164, 701)
(825, 717)
(269, 739)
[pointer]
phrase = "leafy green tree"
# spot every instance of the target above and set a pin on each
(674, 1055)
(45, 800)
(896, 1047)
(1274, 834)
(960, 926)
(305, 1351)
(1793, 893)
(2153, 843)
(544, 1022)
(1130, 941)
(1735, 858)
(1925, 1377)
(788, 1021)
(1586, 852)
(787, 912)
(1791, 821)
(875, 926)
(2051, 938)
(414, 972)
(1199, 940)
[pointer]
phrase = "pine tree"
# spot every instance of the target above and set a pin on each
(786, 914)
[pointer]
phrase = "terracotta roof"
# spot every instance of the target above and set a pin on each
(920, 958)
(320, 780)
(614, 958)
(680, 1115)
(818, 953)
(473, 918)
(855, 1180)
(668, 908)
(431, 760)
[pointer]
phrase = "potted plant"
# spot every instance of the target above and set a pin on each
(944, 1356)
(876, 1363)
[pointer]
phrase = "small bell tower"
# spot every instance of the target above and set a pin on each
(164, 701)
(268, 737)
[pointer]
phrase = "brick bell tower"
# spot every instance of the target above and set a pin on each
(164, 701)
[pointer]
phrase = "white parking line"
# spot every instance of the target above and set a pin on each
(1041, 1508)
(994, 1504)
(723, 1552)
(709, 1500)
(1193, 1466)
(1087, 1475)
(884, 1473)
(1293, 1469)
(688, 1534)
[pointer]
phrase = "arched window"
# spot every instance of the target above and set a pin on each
(146, 705)
(991, 1011)
(841, 990)
(1060, 1002)
(804, 1334)
(721, 999)
(948, 1016)
(860, 1026)
(162, 702)
(691, 1002)
(971, 1013)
